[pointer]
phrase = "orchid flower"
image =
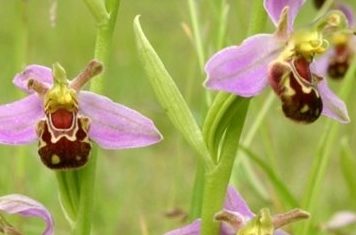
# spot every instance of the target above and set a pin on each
(66, 120)
(336, 61)
(238, 219)
(25, 206)
(282, 60)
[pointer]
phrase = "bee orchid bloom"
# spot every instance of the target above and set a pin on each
(238, 219)
(65, 120)
(25, 206)
(336, 61)
(282, 60)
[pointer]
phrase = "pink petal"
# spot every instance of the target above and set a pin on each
(243, 69)
(234, 202)
(114, 126)
(341, 219)
(347, 10)
(25, 206)
(274, 9)
(333, 106)
(36, 72)
(191, 229)
(280, 232)
(320, 64)
(18, 120)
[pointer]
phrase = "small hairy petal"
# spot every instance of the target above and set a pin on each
(274, 9)
(333, 106)
(18, 120)
(25, 206)
(231, 221)
(114, 126)
(243, 69)
(234, 202)
(190, 229)
(36, 72)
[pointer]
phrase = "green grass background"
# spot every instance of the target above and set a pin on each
(136, 188)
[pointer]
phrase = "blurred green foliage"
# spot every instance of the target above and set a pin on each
(137, 188)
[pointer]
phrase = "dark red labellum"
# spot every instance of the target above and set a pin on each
(62, 119)
(64, 141)
(296, 86)
(340, 62)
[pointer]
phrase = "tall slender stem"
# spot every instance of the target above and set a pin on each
(217, 180)
(87, 175)
(234, 114)
(196, 33)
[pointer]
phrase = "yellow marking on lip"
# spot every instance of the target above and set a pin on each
(55, 159)
(304, 109)
(289, 91)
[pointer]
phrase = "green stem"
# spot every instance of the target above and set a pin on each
(86, 175)
(214, 127)
(222, 26)
(196, 33)
(196, 202)
(71, 180)
(218, 179)
(68, 205)
(103, 42)
(98, 11)
(227, 116)
(198, 41)
(322, 158)
(198, 189)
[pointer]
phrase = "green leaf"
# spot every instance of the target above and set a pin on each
(218, 118)
(169, 95)
(218, 179)
(281, 189)
(66, 188)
